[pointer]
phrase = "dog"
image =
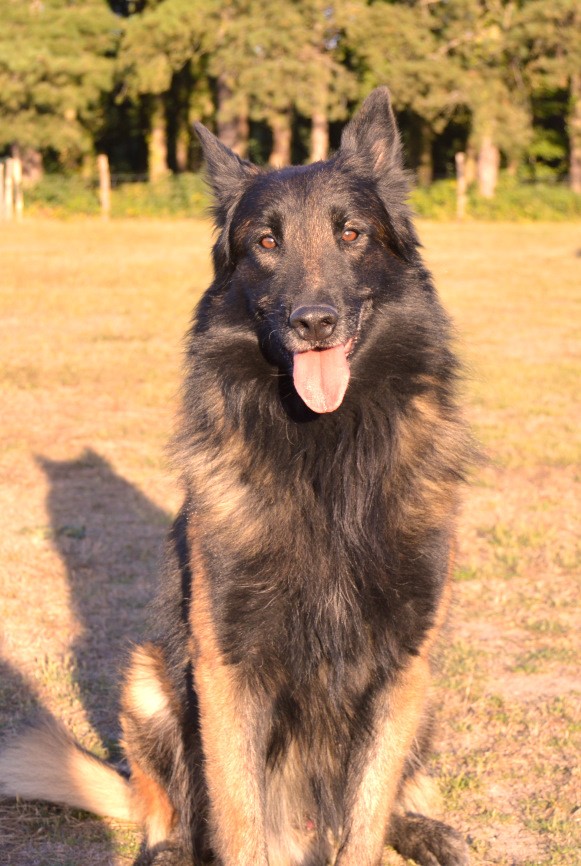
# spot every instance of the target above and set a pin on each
(279, 714)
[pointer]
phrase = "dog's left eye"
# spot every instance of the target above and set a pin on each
(349, 235)
(268, 242)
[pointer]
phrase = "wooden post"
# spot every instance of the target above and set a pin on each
(460, 160)
(487, 167)
(2, 172)
(8, 190)
(17, 181)
(104, 185)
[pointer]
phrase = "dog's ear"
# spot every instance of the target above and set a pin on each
(228, 175)
(372, 136)
(371, 146)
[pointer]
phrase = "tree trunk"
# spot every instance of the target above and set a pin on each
(32, 167)
(241, 147)
(471, 164)
(104, 185)
(281, 141)
(182, 150)
(426, 166)
(574, 125)
(512, 166)
(319, 136)
(232, 128)
(460, 160)
(157, 144)
(488, 165)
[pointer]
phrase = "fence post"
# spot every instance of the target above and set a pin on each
(17, 191)
(8, 190)
(104, 185)
(460, 160)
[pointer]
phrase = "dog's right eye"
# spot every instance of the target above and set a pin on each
(268, 242)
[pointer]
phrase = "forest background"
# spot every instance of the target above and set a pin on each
(499, 80)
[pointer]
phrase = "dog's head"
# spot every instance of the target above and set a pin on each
(306, 252)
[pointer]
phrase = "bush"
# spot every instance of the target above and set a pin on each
(513, 201)
(186, 195)
(62, 196)
(183, 195)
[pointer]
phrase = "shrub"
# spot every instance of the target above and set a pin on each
(514, 201)
(186, 195)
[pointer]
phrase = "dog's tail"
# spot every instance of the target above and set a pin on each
(46, 763)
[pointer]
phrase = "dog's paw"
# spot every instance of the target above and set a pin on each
(428, 842)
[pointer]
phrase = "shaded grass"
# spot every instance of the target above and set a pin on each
(91, 331)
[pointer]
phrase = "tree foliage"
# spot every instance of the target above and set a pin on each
(462, 73)
(56, 64)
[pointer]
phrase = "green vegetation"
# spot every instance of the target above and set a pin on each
(497, 79)
(512, 201)
(181, 195)
(186, 195)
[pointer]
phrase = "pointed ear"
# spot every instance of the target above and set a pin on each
(371, 146)
(372, 135)
(228, 175)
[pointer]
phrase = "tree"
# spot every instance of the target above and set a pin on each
(257, 68)
(478, 36)
(549, 35)
(160, 43)
(56, 65)
(327, 85)
(398, 44)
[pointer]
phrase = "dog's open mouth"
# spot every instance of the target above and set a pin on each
(321, 376)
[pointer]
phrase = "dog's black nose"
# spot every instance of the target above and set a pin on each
(314, 323)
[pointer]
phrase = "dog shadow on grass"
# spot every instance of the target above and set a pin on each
(109, 536)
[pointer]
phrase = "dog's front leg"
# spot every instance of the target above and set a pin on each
(377, 770)
(233, 731)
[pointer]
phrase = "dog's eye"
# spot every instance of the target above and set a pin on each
(268, 242)
(349, 235)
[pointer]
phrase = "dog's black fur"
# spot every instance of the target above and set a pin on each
(278, 715)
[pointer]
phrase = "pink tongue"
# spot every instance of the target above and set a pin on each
(321, 377)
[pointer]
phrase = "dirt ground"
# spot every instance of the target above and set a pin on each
(92, 317)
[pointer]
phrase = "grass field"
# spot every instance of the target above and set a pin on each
(92, 320)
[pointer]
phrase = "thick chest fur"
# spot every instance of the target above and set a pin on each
(301, 584)
(325, 545)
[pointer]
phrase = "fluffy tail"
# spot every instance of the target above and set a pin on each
(45, 763)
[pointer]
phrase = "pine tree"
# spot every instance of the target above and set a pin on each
(56, 65)
(478, 36)
(327, 85)
(398, 44)
(161, 43)
(548, 33)
(259, 68)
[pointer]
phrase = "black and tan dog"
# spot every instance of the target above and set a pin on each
(279, 716)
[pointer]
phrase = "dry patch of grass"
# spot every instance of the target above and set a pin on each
(91, 329)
